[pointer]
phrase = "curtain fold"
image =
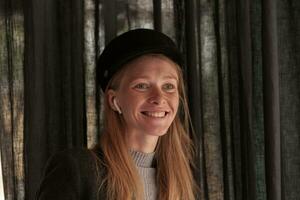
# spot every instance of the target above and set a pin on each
(210, 105)
(55, 113)
(257, 106)
(157, 12)
(11, 98)
(288, 34)
(246, 98)
(193, 78)
(241, 70)
(271, 100)
(223, 73)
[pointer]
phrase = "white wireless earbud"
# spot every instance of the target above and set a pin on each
(116, 105)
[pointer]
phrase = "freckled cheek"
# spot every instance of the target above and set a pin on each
(176, 106)
(131, 103)
(174, 102)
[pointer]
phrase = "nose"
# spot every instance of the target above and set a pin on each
(156, 97)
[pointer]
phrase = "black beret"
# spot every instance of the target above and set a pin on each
(130, 45)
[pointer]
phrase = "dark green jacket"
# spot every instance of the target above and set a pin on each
(72, 175)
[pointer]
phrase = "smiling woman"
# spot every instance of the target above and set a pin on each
(145, 151)
(148, 96)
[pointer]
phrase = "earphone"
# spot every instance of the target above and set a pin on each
(116, 105)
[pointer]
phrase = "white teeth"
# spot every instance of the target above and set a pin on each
(155, 114)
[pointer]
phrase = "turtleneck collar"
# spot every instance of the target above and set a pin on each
(142, 159)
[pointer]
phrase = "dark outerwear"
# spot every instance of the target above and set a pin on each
(72, 175)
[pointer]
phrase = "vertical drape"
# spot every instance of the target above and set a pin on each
(157, 12)
(54, 110)
(93, 34)
(246, 98)
(1, 182)
(193, 79)
(271, 100)
(241, 70)
(288, 34)
(12, 98)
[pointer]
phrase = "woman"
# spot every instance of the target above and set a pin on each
(145, 151)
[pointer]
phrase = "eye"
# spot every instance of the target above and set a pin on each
(141, 86)
(169, 87)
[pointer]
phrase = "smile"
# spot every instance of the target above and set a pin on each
(155, 114)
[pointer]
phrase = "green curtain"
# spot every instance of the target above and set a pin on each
(241, 68)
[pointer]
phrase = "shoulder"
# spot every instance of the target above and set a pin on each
(72, 159)
(72, 172)
(76, 160)
(78, 153)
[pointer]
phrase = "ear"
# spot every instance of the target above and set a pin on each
(111, 95)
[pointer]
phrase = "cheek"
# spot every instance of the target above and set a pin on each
(175, 103)
(129, 102)
(176, 99)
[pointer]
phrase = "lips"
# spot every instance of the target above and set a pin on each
(155, 114)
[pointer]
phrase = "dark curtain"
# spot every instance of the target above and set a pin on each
(241, 69)
(54, 78)
(12, 98)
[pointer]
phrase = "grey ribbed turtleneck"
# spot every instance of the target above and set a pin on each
(144, 163)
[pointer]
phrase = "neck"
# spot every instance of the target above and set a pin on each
(142, 143)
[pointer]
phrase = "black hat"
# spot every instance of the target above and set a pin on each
(130, 45)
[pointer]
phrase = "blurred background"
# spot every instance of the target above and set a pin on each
(242, 71)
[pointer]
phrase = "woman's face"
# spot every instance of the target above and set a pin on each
(148, 95)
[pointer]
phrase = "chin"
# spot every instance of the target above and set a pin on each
(156, 132)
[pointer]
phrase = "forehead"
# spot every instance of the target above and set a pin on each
(155, 65)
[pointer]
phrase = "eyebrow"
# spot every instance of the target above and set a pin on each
(147, 77)
(171, 77)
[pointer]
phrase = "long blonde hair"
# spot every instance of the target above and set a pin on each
(174, 154)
